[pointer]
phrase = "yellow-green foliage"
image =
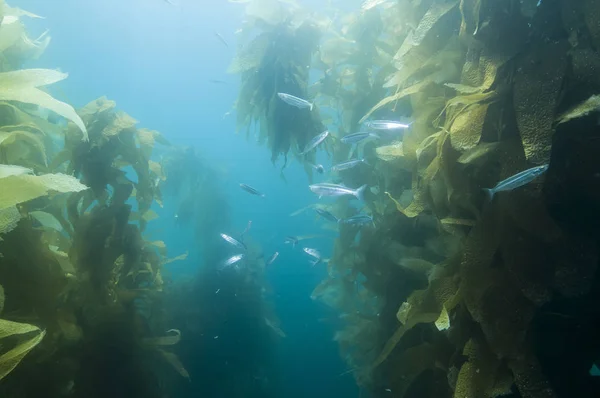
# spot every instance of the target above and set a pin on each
(448, 274)
(72, 259)
(276, 61)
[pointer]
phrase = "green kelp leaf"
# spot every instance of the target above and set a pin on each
(9, 218)
(430, 19)
(9, 140)
(467, 127)
(10, 359)
(251, 56)
(17, 189)
(417, 265)
(22, 86)
(47, 220)
(122, 121)
(181, 257)
(173, 337)
(417, 205)
(174, 361)
(480, 152)
(160, 246)
(12, 170)
(415, 88)
(590, 105)
(97, 107)
(1, 294)
(483, 375)
(390, 152)
(537, 87)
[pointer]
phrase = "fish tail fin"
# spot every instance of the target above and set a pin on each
(311, 106)
(489, 193)
(360, 193)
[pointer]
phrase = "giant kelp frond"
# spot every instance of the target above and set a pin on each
(23, 86)
(276, 61)
(443, 265)
(11, 358)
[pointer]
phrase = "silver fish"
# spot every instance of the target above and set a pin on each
(251, 190)
(234, 242)
(272, 258)
(233, 259)
(295, 101)
(222, 39)
(359, 219)
(291, 240)
(348, 164)
(386, 125)
(318, 168)
(326, 189)
(312, 144)
(326, 215)
(311, 252)
(516, 181)
(355, 138)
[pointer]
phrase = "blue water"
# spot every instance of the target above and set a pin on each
(156, 61)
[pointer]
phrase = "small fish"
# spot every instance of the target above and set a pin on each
(251, 190)
(386, 125)
(234, 242)
(318, 168)
(291, 240)
(516, 181)
(221, 39)
(295, 101)
(314, 253)
(216, 337)
(388, 390)
(272, 258)
(312, 144)
(355, 138)
(327, 189)
(326, 215)
(218, 290)
(233, 259)
(248, 226)
(170, 2)
(348, 164)
(359, 219)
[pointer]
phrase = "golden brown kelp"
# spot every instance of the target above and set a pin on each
(475, 295)
(74, 268)
(276, 60)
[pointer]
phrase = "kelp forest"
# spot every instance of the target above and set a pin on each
(451, 292)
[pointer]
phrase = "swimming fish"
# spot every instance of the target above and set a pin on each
(272, 258)
(234, 242)
(326, 189)
(221, 39)
(251, 190)
(248, 226)
(326, 215)
(312, 144)
(291, 240)
(318, 168)
(386, 125)
(516, 181)
(314, 253)
(295, 101)
(359, 219)
(348, 164)
(355, 138)
(233, 259)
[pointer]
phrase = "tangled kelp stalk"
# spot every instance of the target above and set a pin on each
(452, 295)
(276, 60)
(81, 288)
